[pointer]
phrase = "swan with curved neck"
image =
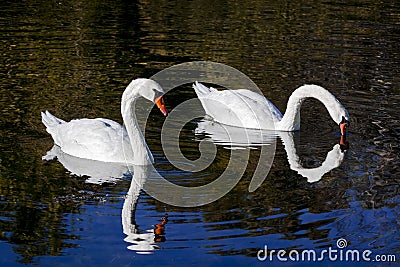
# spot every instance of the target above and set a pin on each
(247, 109)
(106, 140)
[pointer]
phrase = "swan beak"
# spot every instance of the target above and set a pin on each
(160, 104)
(343, 128)
(343, 125)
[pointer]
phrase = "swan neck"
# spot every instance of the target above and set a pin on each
(141, 152)
(291, 119)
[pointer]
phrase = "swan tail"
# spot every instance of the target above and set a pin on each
(50, 121)
(201, 90)
(52, 153)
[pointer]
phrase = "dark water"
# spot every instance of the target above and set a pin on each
(74, 58)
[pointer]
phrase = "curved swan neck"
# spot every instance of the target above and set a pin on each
(141, 152)
(291, 120)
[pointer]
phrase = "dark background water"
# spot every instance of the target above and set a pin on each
(74, 58)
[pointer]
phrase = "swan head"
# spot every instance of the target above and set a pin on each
(336, 110)
(148, 89)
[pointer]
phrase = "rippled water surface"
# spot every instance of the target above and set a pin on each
(75, 58)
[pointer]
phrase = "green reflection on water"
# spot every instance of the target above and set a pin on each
(76, 57)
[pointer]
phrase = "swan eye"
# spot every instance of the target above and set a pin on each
(157, 93)
(345, 121)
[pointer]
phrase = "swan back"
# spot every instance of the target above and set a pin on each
(240, 107)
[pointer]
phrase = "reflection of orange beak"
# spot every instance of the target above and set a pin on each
(160, 229)
(160, 104)
(343, 127)
(344, 145)
(342, 141)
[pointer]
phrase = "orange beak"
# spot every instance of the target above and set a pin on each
(160, 104)
(343, 127)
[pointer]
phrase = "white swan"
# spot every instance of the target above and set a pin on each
(106, 140)
(247, 109)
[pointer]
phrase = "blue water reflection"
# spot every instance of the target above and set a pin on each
(76, 57)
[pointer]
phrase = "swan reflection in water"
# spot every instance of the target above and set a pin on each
(235, 138)
(142, 242)
(98, 172)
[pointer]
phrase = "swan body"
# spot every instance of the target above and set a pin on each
(97, 139)
(106, 140)
(248, 109)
